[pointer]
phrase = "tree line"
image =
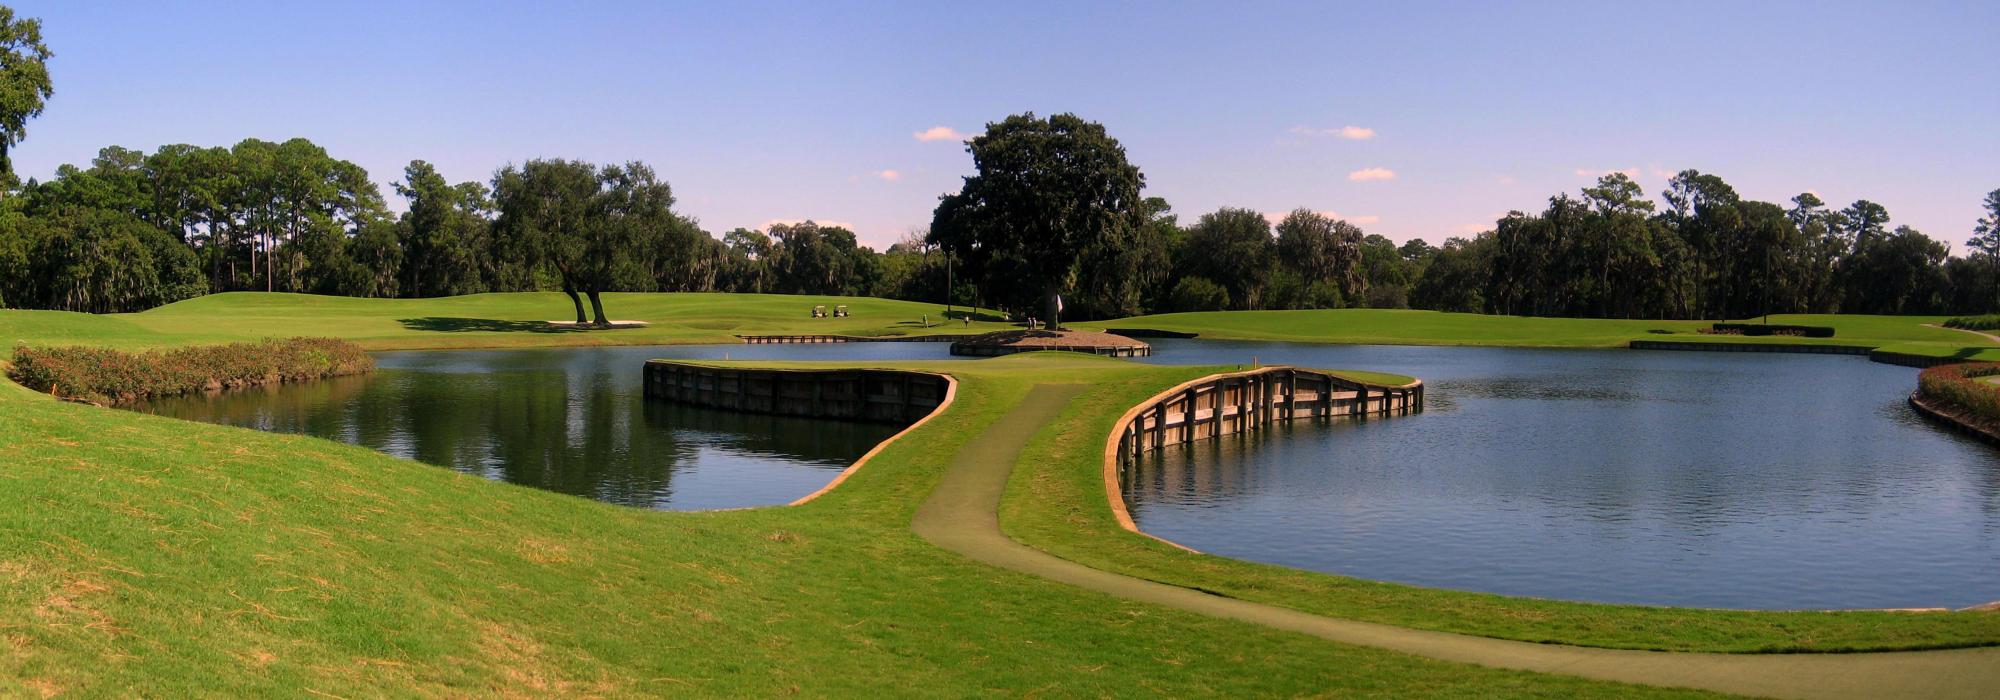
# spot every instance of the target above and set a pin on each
(1055, 208)
(1053, 212)
(1707, 253)
(134, 230)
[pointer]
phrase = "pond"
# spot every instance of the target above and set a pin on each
(1729, 480)
(1670, 478)
(572, 421)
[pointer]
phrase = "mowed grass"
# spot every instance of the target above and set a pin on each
(1056, 502)
(480, 320)
(1911, 334)
(143, 556)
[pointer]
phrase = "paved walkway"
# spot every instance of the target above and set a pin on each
(962, 515)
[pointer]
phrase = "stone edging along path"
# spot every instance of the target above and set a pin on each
(962, 515)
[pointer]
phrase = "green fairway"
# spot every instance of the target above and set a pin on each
(480, 320)
(1910, 334)
(148, 556)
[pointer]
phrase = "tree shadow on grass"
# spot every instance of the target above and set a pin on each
(442, 324)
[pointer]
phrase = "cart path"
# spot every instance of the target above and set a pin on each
(1989, 336)
(962, 515)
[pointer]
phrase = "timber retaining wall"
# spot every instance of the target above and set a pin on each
(887, 396)
(1240, 402)
(1804, 348)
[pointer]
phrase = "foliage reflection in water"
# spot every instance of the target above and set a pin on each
(572, 421)
(1698, 479)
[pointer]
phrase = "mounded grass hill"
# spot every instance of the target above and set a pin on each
(143, 555)
(480, 320)
(1917, 335)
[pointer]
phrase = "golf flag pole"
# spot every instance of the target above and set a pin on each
(1058, 324)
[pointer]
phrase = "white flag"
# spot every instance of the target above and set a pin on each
(1058, 302)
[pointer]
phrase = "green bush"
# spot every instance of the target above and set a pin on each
(1774, 329)
(1198, 294)
(1956, 387)
(1975, 323)
(111, 376)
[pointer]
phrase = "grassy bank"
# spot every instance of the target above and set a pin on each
(1910, 334)
(151, 556)
(480, 320)
(143, 555)
(1056, 503)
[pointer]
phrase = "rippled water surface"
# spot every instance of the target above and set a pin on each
(1673, 478)
(569, 420)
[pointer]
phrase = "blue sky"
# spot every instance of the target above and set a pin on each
(758, 112)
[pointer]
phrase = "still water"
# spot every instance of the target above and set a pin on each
(1734, 480)
(572, 421)
(1670, 478)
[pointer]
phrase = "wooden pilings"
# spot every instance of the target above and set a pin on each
(1240, 402)
(888, 396)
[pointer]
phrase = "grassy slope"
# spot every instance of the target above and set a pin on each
(1056, 503)
(1404, 327)
(480, 320)
(142, 555)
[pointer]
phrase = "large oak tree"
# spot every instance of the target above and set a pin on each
(1048, 194)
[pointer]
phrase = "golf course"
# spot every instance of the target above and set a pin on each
(975, 553)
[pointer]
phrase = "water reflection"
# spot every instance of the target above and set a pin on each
(1704, 479)
(571, 421)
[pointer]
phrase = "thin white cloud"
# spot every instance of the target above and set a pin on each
(1350, 132)
(890, 175)
(1505, 180)
(1369, 174)
(940, 133)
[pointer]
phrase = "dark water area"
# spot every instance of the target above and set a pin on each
(1670, 478)
(572, 421)
(1733, 480)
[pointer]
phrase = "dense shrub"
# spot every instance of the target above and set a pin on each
(1975, 323)
(112, 376)
(1198, 294)
(1956, 387)
(1773, 329)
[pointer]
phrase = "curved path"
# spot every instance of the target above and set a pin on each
(1983, 334)
(962, 515)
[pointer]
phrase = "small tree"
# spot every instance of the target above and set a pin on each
(1198, 294)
